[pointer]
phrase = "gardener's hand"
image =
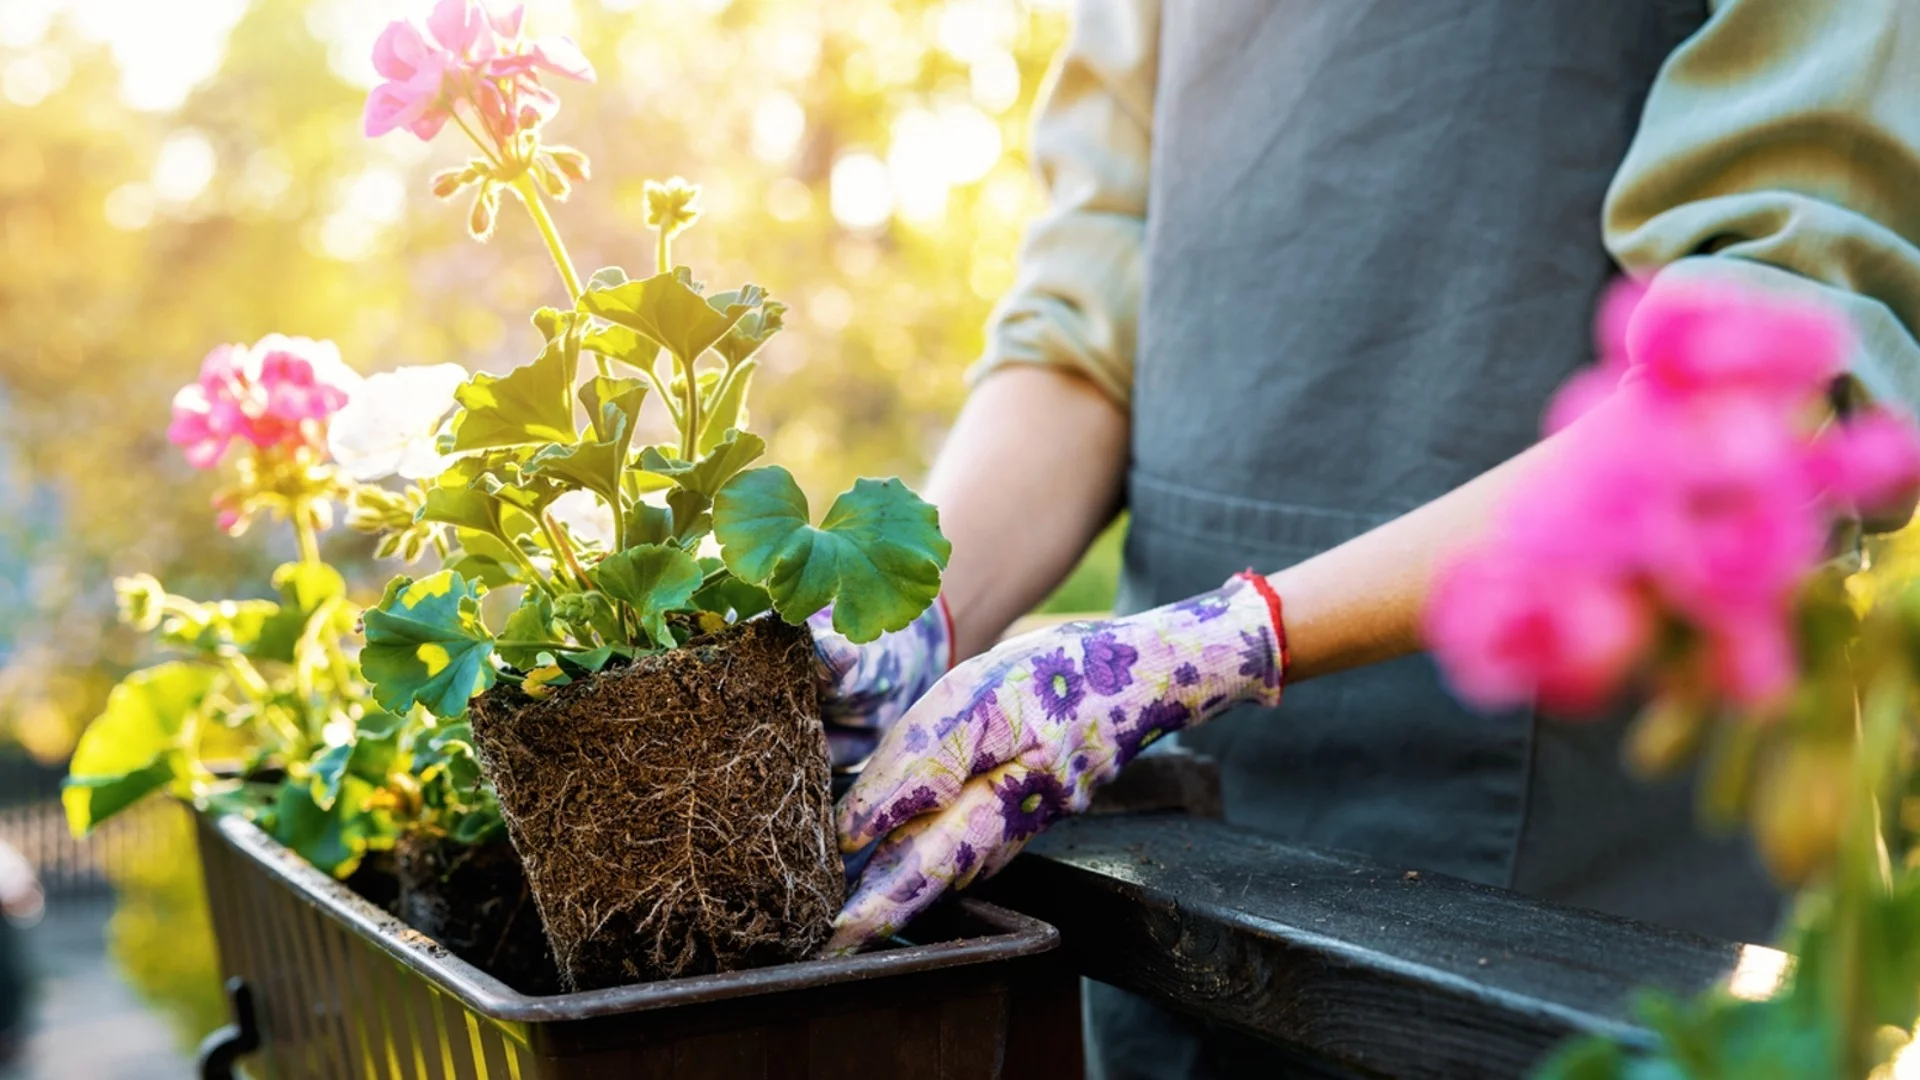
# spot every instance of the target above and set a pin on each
(21, 897)
(864, 689)
(1020, 736)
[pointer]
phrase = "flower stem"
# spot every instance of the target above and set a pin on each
(663, 252)
(690, 433)
(303, 533)
(564, 550)
(537, 209)
(533, 572)
(557, 646)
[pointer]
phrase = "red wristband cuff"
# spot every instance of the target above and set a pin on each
(953, 644)
(1265, 588)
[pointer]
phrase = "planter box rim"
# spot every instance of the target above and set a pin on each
(1015, 936)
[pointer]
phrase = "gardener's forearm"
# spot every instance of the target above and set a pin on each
(1029, 476)
(1360, 603)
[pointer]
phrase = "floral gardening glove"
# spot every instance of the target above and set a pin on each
(1020, 736)
(865, 688)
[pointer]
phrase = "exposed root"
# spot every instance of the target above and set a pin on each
(674, 817)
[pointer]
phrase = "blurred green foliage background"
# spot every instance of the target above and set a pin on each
(176, 175)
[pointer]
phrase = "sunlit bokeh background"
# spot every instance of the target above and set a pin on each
(178, 174)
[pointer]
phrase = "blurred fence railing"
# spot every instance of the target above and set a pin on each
(33, 823)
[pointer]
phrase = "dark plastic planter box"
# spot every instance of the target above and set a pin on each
(329, 986)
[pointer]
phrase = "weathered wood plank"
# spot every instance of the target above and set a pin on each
(1383, 971)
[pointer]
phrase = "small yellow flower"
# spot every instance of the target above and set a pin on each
(672, 206)
(711, 623)
(141, 601)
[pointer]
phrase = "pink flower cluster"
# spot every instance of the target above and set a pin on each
(467, 55)
(1698, 488)
(279, 393)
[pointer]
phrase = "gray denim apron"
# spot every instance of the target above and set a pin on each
(1372, 254)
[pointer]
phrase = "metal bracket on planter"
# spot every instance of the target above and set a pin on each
(220, 1051)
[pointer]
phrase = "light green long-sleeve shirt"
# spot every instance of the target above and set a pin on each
(1779, 144)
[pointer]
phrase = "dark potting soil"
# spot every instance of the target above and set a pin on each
(673, 816)
(474, 900)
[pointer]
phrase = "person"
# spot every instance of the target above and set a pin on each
(22, 900)
(1309, 274)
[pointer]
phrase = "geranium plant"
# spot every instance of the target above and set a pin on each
(653, 681)
(1678, 546)
(693, 537)
(264, 712)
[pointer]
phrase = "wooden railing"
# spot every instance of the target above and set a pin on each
(1367, 970)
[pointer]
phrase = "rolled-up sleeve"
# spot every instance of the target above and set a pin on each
(1781, 145)
(1076, 295)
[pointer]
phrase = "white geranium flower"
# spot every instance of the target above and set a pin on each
(390, 423)
(587, 518)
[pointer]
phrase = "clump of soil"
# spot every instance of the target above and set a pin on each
(673, 816)
(474, 900)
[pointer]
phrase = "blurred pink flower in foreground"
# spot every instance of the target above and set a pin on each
(1700, 489)
(278, 393)
(467, 54)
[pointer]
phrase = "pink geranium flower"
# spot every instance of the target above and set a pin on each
(467, 54)
(1508, 632)
(1697, 338)
(1870, 461)
(279, 393)
(1695, 490)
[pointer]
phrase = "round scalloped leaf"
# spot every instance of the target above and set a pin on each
(876, 557)
(426, 644)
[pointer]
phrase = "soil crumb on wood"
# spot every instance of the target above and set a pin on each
(674, 816)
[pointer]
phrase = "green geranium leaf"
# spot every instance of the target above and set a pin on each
(606, 398)
(531, 621)
(485, 559)
(729, 409)
(213, 628)
(478, 827)
(737, 303)
(624, 345)
(662, 461)
(426, 645)
(877, 556)
(465, 508)
(129, 750)
(326, 836)
(595, 466)
(691, 519)
(504, 475)
(649, 524)
(370, 756)
(305, 590)
(606, 278)
(329, 769)
(729, 596)
(579, 665)
(734, 452)
(90, 800)
(484, 570)
(653, 579)
(530, 404)
(667, 310)
(752, 331)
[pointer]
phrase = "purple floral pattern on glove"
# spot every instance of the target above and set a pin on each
(865, 688)
(1011, 741)
(1109, 663)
